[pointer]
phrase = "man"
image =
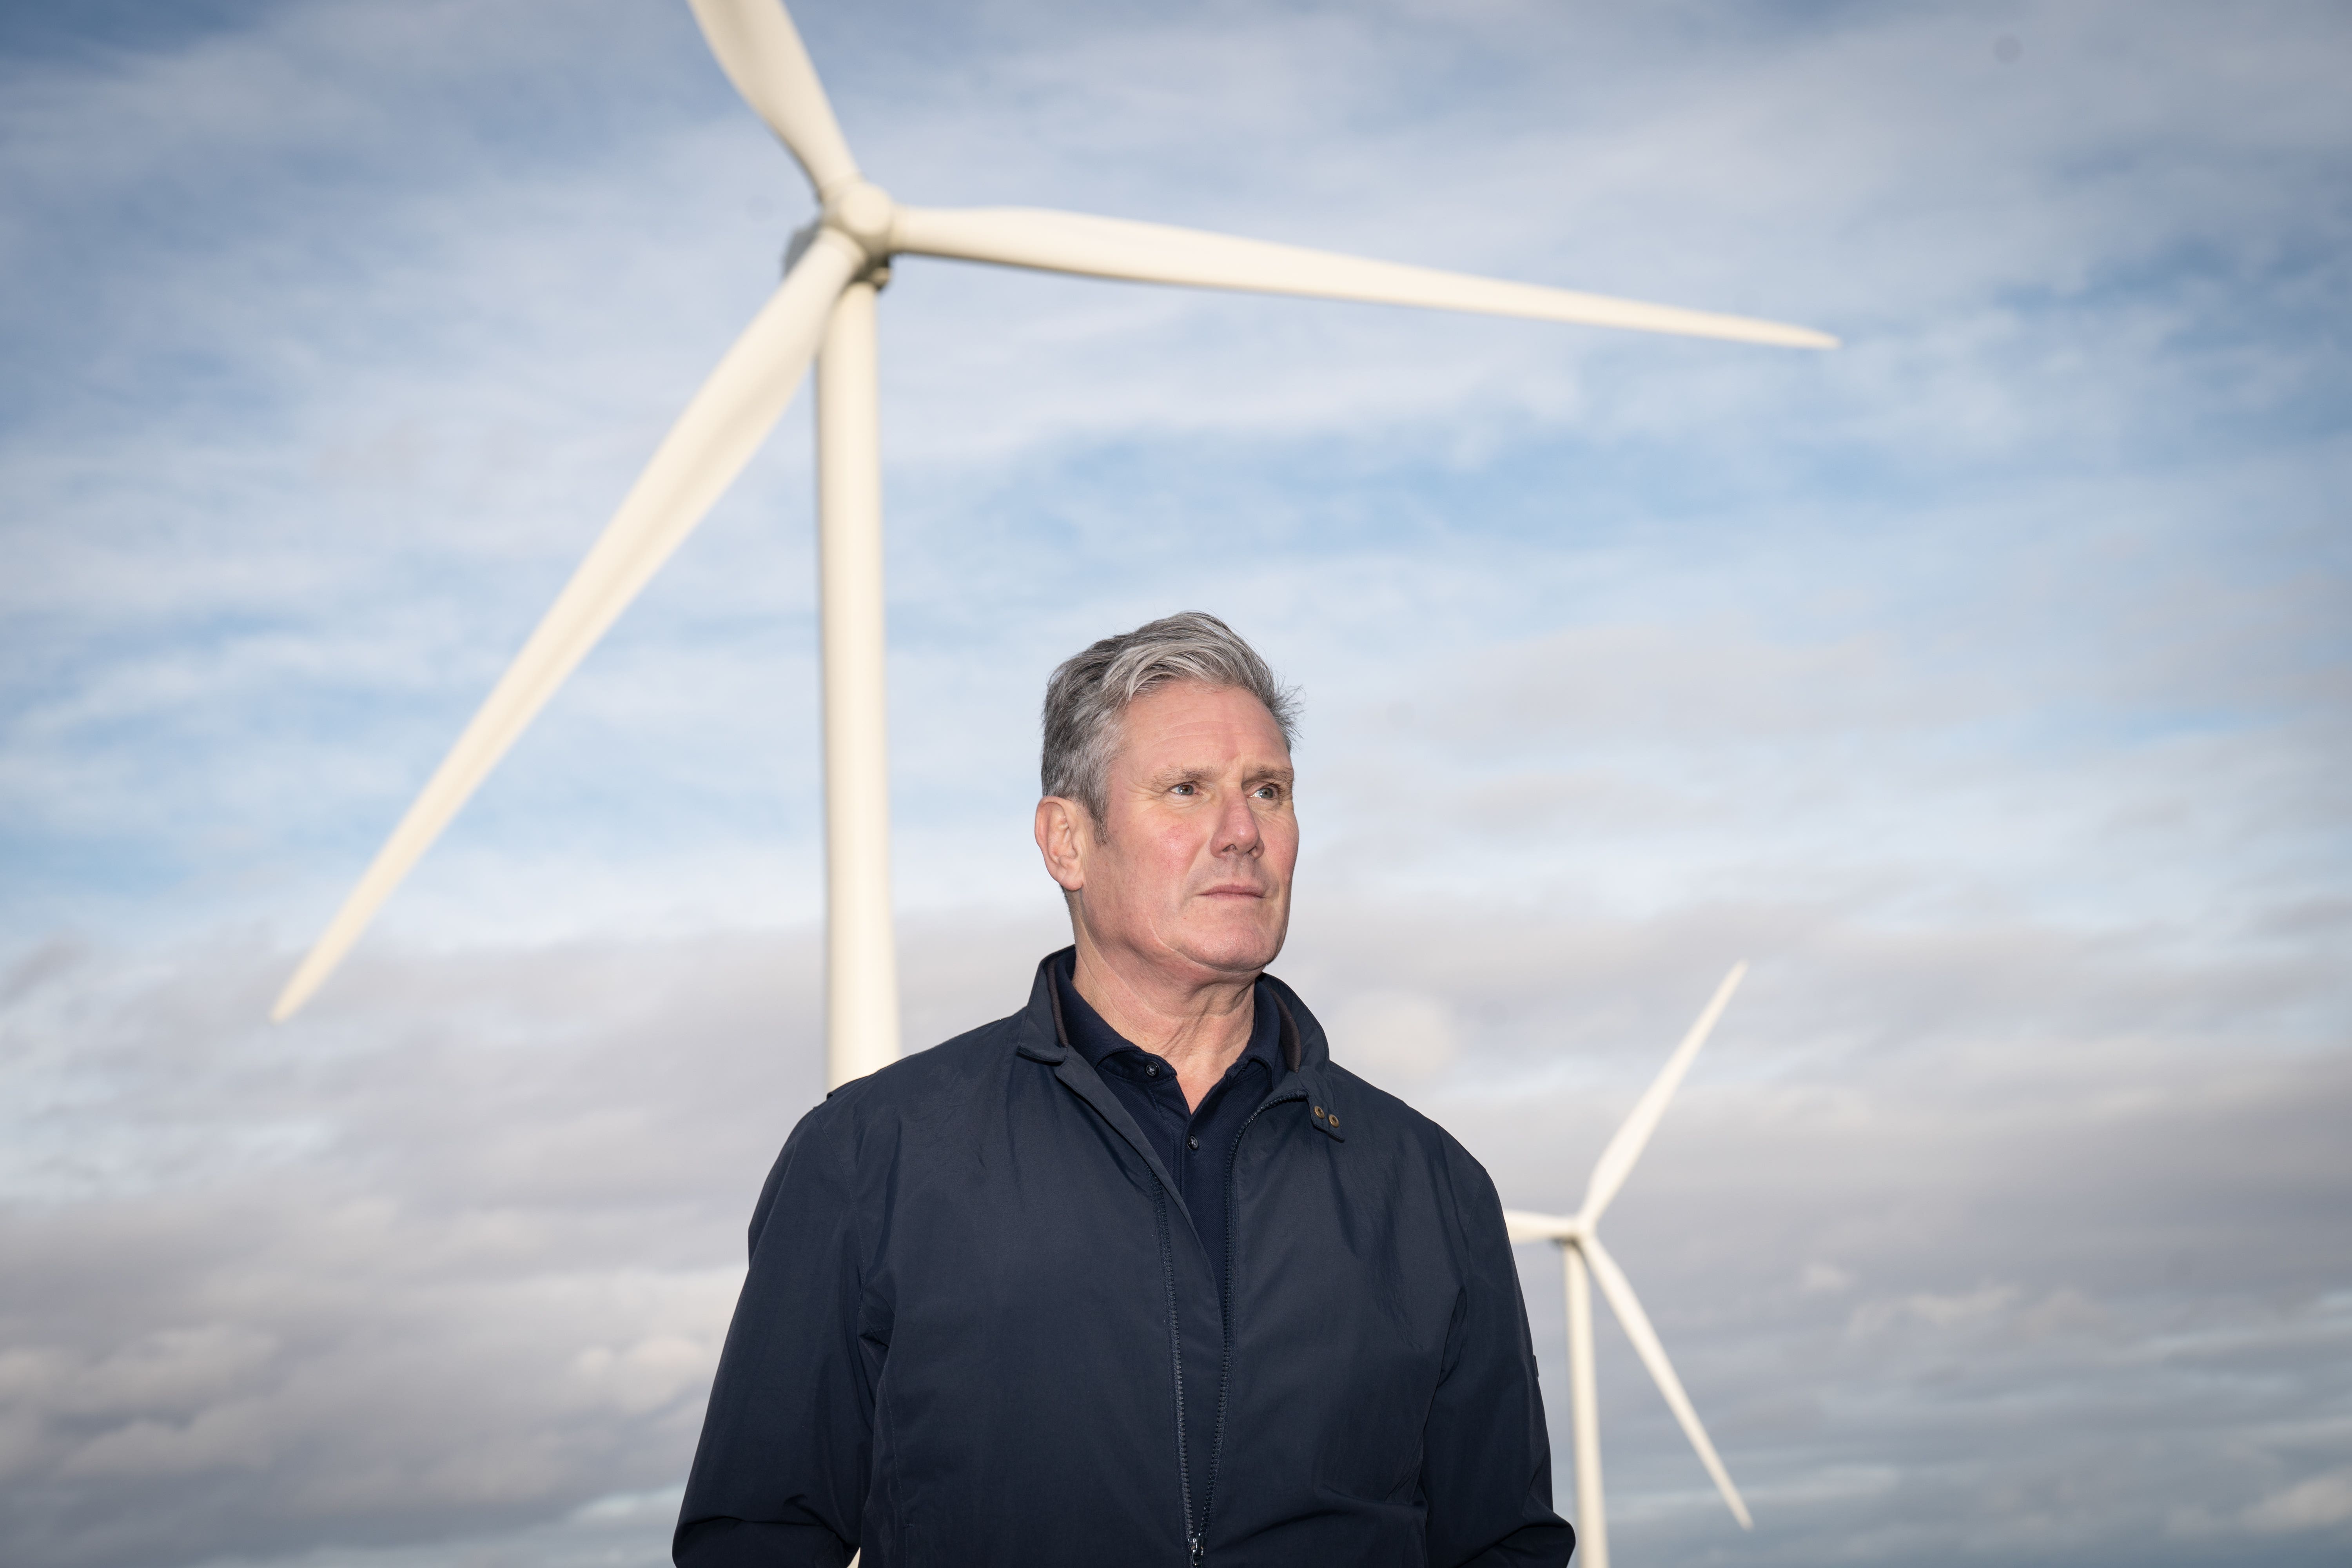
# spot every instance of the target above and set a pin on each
(1137, 1275)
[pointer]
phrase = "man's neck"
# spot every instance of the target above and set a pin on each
(1200, 1026)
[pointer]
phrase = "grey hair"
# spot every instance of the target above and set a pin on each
(1090, 692)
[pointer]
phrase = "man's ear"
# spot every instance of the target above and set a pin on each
(1063, 835)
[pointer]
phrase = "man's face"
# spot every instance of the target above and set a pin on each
(1190, 872)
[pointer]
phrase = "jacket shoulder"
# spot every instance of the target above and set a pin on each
(1374, 1116)
(1379, 1112)
(920, 1086)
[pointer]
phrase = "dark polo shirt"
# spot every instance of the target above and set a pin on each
(1194, 1145)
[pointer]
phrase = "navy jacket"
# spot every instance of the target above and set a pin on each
(976, 1315)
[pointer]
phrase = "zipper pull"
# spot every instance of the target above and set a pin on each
(1200, 1549)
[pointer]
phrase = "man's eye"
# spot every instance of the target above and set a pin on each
(1187, 789)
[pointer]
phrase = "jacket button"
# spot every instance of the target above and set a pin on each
(1193, 1142)
(1318, 1110)
(1333, 1118)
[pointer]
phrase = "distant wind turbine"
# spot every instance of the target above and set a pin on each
(1585, 1259)
(824, 311)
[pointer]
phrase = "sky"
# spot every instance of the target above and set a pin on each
(1984, 684)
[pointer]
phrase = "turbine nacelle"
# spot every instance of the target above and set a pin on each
(1525, 1226)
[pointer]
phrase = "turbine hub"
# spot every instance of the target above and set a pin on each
(863, 210)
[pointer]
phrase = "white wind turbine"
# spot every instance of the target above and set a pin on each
(823, 312)
(1585, 1259)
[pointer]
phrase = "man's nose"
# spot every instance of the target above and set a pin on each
(1237, 828)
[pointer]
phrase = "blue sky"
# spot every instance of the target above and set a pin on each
(1984, 683)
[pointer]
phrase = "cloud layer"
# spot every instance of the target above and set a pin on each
(1984, 683)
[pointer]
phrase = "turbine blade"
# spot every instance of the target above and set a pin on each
(1613, 1284)
(690, 469)
(1616, 1161)
(1155, 253)
(1526, 1226)
(762, 55)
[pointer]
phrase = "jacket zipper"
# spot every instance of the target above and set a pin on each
(1196, 1540)
(1225, 1312)
(1176, 1355)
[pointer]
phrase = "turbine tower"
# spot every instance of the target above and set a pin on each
(1584, 1259)
(823, 312)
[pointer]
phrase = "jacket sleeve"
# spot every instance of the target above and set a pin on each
(1487, 1459)
(779, 1477)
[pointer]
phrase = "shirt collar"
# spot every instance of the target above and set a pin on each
(1084, 1031)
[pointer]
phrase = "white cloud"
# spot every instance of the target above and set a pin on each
(1394, 1037)
(1817, 1278)
(2313, 1504)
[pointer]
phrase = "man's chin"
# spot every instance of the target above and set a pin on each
(1233, 952)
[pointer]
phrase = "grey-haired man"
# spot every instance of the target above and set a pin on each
(1137, 1275)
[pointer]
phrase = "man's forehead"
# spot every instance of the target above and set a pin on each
(1190, 727)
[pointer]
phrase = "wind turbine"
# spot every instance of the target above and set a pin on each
(824, 311)
(1585, 1259)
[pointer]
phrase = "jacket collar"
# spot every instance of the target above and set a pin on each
(1307, 1052)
